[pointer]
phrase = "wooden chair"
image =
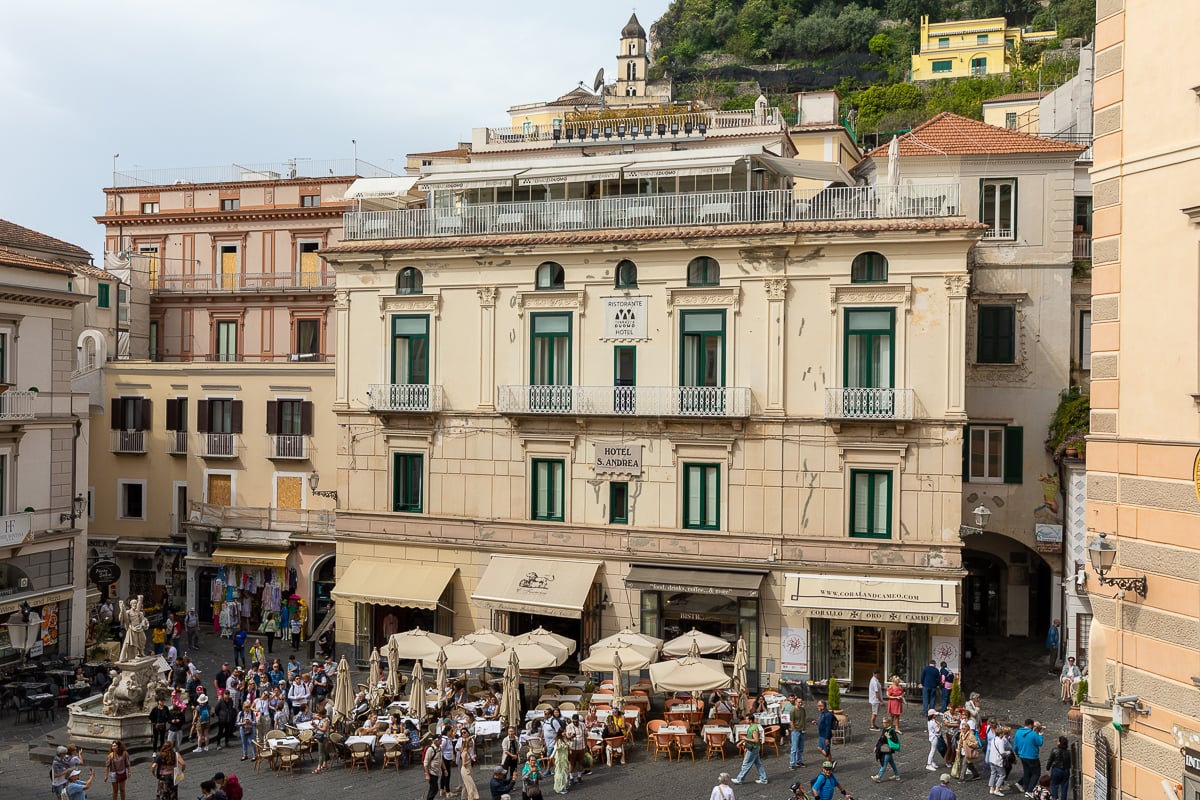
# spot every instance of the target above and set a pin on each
(360, 753)
(262, 754)
(614, 748)
(286, 759)
(685, 743)
(724, 717)
(651, 729)
(714, 743)
(663, 743)
(771, 738)
(392, 751)
(679, 718)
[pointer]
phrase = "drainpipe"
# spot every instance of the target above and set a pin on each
(75, 465)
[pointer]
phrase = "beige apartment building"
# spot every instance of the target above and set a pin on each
(44, 429)
(1142, 455)
(213, 426)
(607, 383)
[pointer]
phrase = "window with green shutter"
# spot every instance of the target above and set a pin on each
(996, 342)
(993, 453)
(102, 297)
(702, 496)
(546, 489)
(871, 503)
(943, 66)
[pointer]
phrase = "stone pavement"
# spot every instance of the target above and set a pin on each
(1000, 666)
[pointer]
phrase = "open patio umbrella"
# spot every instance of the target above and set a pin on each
(343, 694)
(487, 638)
(441, 678)
(373, 693)
(541, 636)
(532, 655)
(461, 654)
(689, 674)
(630, 635)
(632, 656)
(510, 695)
(393, 678)
(419, 644)
(739, 677)
(416, 692)
(707, 644)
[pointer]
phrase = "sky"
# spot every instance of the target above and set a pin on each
(169, 84)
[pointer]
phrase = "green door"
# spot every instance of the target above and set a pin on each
(550, 363)
(702, 363)
(869, 363)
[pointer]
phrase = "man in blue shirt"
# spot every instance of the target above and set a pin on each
(1027, 744)
(825, 723)
(77, 787)
(942, 791)
(1052, 643)
(931, 678)
(239, 648)
(824, 784)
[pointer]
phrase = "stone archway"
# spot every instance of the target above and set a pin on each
(1009, 589)
(92, 351)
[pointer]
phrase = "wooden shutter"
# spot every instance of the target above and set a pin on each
(306, 418)
(1005, 342)
(236, 417)
(115, 414)
(172, 414)
(145, 414)
(1014, 453)
(202, 416)
(272, 417)
(183, 415)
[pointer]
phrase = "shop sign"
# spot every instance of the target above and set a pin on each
(14, 529)
(858, 615)
(618, 459)
(871, 599)
(625, 318)
(674, 588)
(1191, 761)
(1050, 534)
(37, 600)
(104, 573)
(1100, 773)
(794, 645)
(1049, 548)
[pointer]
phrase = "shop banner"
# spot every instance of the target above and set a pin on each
(794, 643)
(873, 600)
(945, 648)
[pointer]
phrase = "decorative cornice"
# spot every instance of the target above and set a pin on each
(393, 303)
(690, 296)
(487, 295)
(191, 216)
(555, 299)
(957, 285)
(895, 294)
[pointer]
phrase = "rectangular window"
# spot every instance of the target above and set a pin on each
(998, 207)
(997, 340)
(410, 350)
(871, 503)
(149, 259)
(310, 264)
(1010, 120)
(177, 414)
(981, 38)
(103, 299)
(130, 414)
(310, 200)
(149, 208)
(308, 338)
(943, 66)
(154, 352)
(1085, 338)
(618, 502)
(122, 303)
(131, 497)
(550, 362)
(979, 66)
(993, 453)
(288, 417)
(4, 483)
(407, 477)
(702, 496)
(227, 340)
(625, 379)
(228, 266)
(943, 43)
(231, 204)
(220, 415)
(546, 489)
(869, 355)
(702, 348)
(4, 357)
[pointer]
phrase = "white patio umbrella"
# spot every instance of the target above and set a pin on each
(487, 638)
(416, 691)
(707, 643)
(343, 694)
(689, 674)
(373, 693)
(532, 655)
(542, 636)
(893, 164)
(510, 695)
(461, 654)
(630, 635)
(632, 656)
(419, 644)
(739, 677)
(441, 678)
(393, 678)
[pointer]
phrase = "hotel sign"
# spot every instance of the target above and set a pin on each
(625, 318)
(618, 459)
(14, 529)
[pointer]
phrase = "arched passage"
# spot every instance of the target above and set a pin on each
(1009, 588)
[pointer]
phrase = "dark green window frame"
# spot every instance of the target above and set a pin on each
(946, 65)
(990, 208)
(872, 380)
(627, 276)
(698, 338)
(871, 527)
(551, 471)
(979, 66)
(410, 281)
(417, 344)
(1012, 456)
(708, 477)
(102, 295)
(869, 267)
(552, 379)
(943, 42)
(618, 502)
(625, 381)
(703, 271)
(408, 483)
(996, 334)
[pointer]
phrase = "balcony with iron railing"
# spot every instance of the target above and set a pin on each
(243, 518)
(219, 445)
(17, 405)
(288, 447)
(200, 283)
(129, 442)
(869, 404)
(412, 398)
(177, 443)
(642, 401)
(609, 127)
(908, 201)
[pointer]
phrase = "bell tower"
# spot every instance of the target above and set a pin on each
(633, 62)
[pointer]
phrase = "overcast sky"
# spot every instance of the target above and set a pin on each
(168, 84)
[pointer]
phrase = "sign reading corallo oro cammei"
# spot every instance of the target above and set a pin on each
(625, 318)
(618, 459)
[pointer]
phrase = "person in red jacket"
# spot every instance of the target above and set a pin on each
(230, 785)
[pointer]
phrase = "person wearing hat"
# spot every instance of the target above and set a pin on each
(943, 791)
(824, 784)
(200, 723)
(76, 786)
(432, 761)
(934, 730)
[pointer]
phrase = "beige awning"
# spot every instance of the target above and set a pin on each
(478, 179)
(394, 583)
(873, 599)
(694, 581)
(550, 586)
(138, 548)
(250, 556)
(394, 186)
(721, 165)
(827, 171)
(572, 173)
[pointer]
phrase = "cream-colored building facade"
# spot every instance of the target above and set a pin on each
(698, 399)
(1144, 441)
(969, 47)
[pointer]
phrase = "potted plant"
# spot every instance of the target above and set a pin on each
(833, 699)
(956, 694)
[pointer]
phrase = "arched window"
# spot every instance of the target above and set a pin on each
(704, 271)
(626, 274)
(549, 276)
(632, 71)
(869, 267)
(631, 92)
(410, 281)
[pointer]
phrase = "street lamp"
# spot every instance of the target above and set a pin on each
(78, 506)
(981, 516)
(24, 630)
(1102, 553)
(314, 480)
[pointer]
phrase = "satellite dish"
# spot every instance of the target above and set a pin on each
(599, 82)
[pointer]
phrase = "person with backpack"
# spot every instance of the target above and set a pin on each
(947, 685)
(76, 788)
(175, 727)
(1059, 766)
(752, 740)
(432, 761)
(824, 784)
(886, 749)
(200, 723)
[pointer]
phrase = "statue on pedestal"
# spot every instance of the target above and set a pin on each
(136, 625)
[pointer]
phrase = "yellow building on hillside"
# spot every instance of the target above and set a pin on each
(967, 47)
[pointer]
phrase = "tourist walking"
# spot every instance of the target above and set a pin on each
(1059, 764)
(943, 791)
(164, 766)
(432, 762)
(270, 627)
(799, 721)
(931, 679)
(466, 764)
(999, 753)
(885, 751)
(722, 791)
(531, 779)
(1052, 645)
(875, 698)
(934, 730)
(576, 738)
(824, 784)
(447, 748)
(825, 723)
(895, 695)
(116, 769)
(753, 740)
(245, 729)
(562, 766)
(1027, 744)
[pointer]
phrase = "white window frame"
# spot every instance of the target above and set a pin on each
(232, 483)
(7, 371)
(150, 208)
(121, 484)
(9, 487)
(993, 233)
(320, 261)
(303, 476)
(993, 435)
(1084, 339)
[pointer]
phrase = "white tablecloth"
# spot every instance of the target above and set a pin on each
(681, 708)
(767, 718)
(488, 727)
(287, 741)
(304, 726)
(390, 738)
(672, 729)
(369, 740)
(718, 729)
(561, 698)
(536, 714)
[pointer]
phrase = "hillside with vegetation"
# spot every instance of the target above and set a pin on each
(727, 52)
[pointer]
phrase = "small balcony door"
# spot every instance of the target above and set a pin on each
(702, 361)
(410, 350)
(550, 362)
(870, 360)
(625, 379)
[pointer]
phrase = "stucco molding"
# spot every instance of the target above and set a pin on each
(1019, 371)
(548, 300)
(864, 294)
(693, 296)
(776, 288)
(410, 303)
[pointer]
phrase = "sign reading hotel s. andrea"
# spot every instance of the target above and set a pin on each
(625, 318)
(618, 459)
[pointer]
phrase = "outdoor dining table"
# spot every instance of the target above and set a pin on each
(673, 729)
(488, 727)
(567, 683)
(562, 698)
(631, 714)
(304, 726)
(536, 714)
(767, 718)
(683, 708)
(601, 699)
(286, 741)
(368, 740)
(718, 729)
(391, 738)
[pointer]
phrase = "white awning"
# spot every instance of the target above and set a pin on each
(569, 173)
(480, 179)
(827, 171)
(396, 186)
(554, 587)
(872, 599)
(721, 165)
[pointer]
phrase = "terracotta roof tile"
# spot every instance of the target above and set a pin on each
(18, 236)
(93, 272)
(458, 152)
(1016, 97)
(11, 258)
(951, 135)
(655, 234)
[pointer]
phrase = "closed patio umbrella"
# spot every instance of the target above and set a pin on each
(343, 694)
(393, 678)
(708, 644)
(510, 695)
(739, 677)
(541, 636)
(689, 674)
(416, 692)
(441, 678)
(373, 693)
(419, 644)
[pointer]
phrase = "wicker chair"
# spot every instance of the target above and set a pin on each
(392, 753)
(651, 729)
(286, 759)
(685, 743)
(614, 748)
(568, 706)
(262, 754)
(360, 753)
(308, 742)
(771, 738)
(714, 743)
(663, 743)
